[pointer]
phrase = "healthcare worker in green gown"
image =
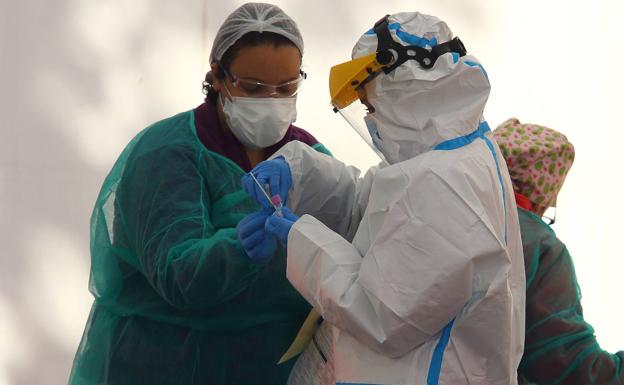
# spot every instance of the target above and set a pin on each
(560, 346)
(177, 300)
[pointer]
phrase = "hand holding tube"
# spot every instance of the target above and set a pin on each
(280, 226)
(276, 174)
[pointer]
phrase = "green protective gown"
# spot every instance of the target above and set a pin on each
(560, 347)
(176, 299)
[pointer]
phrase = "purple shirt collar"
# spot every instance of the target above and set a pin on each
(216, 139)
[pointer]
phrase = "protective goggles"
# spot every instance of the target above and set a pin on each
(345, 78)
(256, 89)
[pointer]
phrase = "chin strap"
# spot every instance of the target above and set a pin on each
(392, 54)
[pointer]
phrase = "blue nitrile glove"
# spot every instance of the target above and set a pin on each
(280, 226)
(259, 245)
(276, 174)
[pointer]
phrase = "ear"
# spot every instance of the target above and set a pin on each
(216, 81)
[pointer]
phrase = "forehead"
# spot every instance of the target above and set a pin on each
(267, 63)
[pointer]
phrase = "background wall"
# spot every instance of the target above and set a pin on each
(78, 79)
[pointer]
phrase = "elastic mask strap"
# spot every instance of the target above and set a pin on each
(391, 54)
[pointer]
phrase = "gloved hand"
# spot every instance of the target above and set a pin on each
(280, 226)
(257, 243)
(276, 174)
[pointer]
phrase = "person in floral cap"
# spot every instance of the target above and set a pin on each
(538, 159)
(560, 346)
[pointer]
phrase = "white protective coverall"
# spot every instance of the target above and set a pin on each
(417, 266)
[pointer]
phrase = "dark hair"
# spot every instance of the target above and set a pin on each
(250, 39)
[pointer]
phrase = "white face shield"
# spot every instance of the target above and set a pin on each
(358, 117)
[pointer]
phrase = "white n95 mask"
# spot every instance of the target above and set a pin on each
(387, 150)
(373, 130)
(259, 122)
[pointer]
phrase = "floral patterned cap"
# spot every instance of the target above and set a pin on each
(538, 159)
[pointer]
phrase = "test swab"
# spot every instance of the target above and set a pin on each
(275, 201)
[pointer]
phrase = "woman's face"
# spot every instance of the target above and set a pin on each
(264, 63)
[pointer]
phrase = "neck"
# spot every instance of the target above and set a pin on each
(255, 155)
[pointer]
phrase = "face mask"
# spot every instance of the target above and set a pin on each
(371, 125)
(259, 122)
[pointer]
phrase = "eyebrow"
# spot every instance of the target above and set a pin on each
(262, 81)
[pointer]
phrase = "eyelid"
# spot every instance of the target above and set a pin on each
(251, 87)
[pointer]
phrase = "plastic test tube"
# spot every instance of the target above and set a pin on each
(275, 200)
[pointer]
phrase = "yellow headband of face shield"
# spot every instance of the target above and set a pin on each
(345, 78)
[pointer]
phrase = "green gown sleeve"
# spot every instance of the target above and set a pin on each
(322, 149)
(560, 347)
(184, 245)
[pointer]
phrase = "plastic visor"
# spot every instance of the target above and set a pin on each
(346, 77)
(354, 114)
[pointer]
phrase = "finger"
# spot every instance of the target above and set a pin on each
(251, 224)
(289, 214)
(241, 225)
(248, 182)
(253, 240)
(264, 167)
(252, 190)
(255, 253)
(274, 223)
(270, 226)
(262, 198)
(286, 182)
(266, 212)
(258, 194)
(246, 185)
(258, 218)
(274, 185)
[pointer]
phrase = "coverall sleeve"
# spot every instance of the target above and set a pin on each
(560, 346)
(413, 280)
(326, 188)
(171, 223)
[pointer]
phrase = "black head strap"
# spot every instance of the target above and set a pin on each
(392, 54)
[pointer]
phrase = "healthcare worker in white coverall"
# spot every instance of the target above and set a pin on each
(417, 266)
